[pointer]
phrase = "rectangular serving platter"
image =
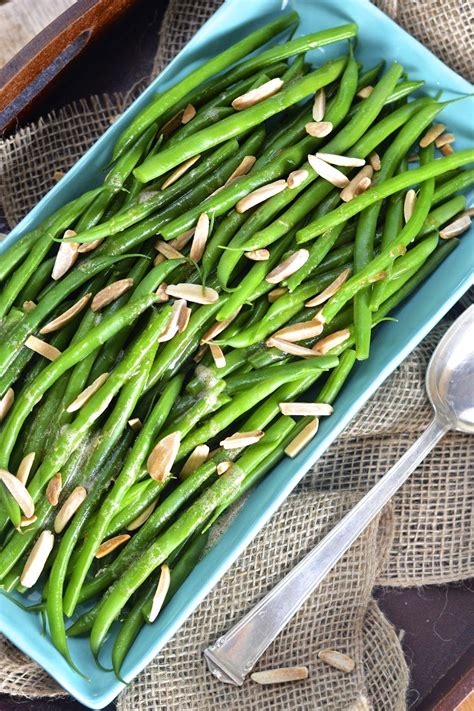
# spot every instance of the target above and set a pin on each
(378, 37)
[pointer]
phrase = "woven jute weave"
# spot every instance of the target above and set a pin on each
(424, 537)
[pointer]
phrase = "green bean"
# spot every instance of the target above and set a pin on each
(367, 78)
(442, 214)
(404, 89)
(292, 371)
(127, 515)
(37, 281)
(317, 251)
(460, 182)
(131, 626)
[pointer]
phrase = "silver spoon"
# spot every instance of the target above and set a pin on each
(450, 387)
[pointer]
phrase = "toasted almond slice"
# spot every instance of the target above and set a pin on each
(319, 106)
(173, 123)
(85, 247)
(296, 177)
(159, 259)
(135, 424)
(365, 92)
(258, 255)
(349, 191)
(188, 114)
(245, 165)
(57, 175)
(196, 293)
(183, 319)
(374, 160)
(111, 545)
(444, 139)
(162, 456)
(6, 402)
(328, 172)
(142, 518)
(19, 492)
(291, 348)
(66, 256)
(432, 134)
(289, 266)
(160, 593)
(66, 316)
(161, 292)
(218, 327)
(306, 409)
(28, 306)
(330, 290)
(255, 96)
(280, 676)
(275, 294)
(45, 349)
(456, 228)
(110, 293)
(300, 331)
(409, 204)
(181, 240)
(242, 439)
(69, 508)
(223, 467)
(24, 468)
(200, 238)
(173, 324)
(87, 393)
(167, 250)
(447, 149)
(334, 339)
(197, 457)
(347, 161)
(469, 212)
(319, 129)
(362, 186)
(54, 488)
(200, 353)
(302, 438)
(265, 192)
(336, 659)
(217, 355)
(37, 559)
(180, 170)
(28, 521)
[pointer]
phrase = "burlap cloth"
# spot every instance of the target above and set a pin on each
(424, 537)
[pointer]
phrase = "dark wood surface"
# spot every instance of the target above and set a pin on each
(437, 621)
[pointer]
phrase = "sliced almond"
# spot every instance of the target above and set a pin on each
(409, 204)
(160, 593)
(469, 212)
(85, 247)
(6, 402)
(54, 488)
(172, 327)
(258, 255)
(19, 492)
(37, 559)
(28, 521)
(330, 290)
(280, 676)
(218, 327)
(217, 355)
(275, 294)
(173, 123)
(300, 331)
(28, 306)
(374, 160)
(302, 438)
(223, 467)
(196, 293)
(159, 259)
(456, 228)
(135, 424)
(334, 339)
(110, 293)
(162, 457)
(161, 292)
(197, 457)
(188, 114)
(349, 191)
(200, 238)
(69, 508)
(328, 172)
(66, 256)
(87, 393)
(24, 468)
(319, 129)
(296, 178)
(200, 353)
(168, 251)
(111, 545)
(245, 165)
(66, 316)
(445, 139)
(432, 134)
(57, 175)
(181, 240)
(180, 170)
(305, 409)
(289, 266)
(183, 319)
(319, 106)
(362, 186)
(255, 96)
(335, 159)
(142, 518)
(260, 195)
(365, 92)
(45, 349)
(242, 439)
(447, 149)
(338, 660)
(291, 348)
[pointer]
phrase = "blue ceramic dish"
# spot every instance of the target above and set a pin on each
(378, 37)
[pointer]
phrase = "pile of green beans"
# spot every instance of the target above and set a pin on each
(114, 388)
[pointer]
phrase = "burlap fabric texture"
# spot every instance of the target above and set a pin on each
(424, 537)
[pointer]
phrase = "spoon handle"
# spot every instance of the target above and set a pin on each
(232, 656)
